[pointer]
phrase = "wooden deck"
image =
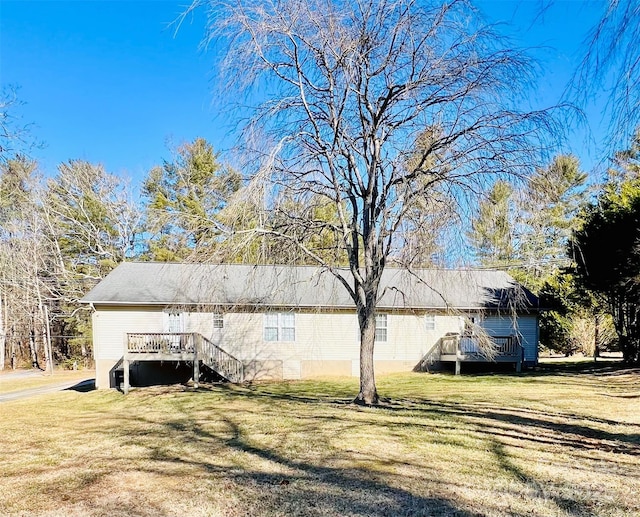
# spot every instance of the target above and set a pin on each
(184, 347)
(459, 349)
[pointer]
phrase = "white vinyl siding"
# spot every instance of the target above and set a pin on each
(279, 326)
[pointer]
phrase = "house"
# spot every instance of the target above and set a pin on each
(291, 322)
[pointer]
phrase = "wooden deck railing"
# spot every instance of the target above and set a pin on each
(460, 348)
(184, 347)
(160, 343)
(504, 346)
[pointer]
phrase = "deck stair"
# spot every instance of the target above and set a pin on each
(219, 360)
(190, 347)
(431, 360)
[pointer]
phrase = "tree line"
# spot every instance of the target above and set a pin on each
(377, 127)
(572, 243)
(576, 245)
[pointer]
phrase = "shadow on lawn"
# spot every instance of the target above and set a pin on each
(569, 504)
(562, 429)
(83, 386)
(597, 368)
(268, 483)
(266, 479)
(271, 481)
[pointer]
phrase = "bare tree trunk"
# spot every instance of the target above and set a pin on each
(3, 336)
(12, 348)
(368, 393)
(33, 348)
(46, 336)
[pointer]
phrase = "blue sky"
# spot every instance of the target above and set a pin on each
(111, 82)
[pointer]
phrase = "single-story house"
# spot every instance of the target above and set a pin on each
(248, 322)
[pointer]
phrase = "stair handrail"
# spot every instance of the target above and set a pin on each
(434, 352)
(224, 363)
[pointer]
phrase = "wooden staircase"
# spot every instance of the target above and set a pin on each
(189, 347)
(219, 360)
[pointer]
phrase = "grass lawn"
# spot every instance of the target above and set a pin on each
(564, 440)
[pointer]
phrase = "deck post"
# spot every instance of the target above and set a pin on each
(125, 365)
(458, 365)
(196, 361)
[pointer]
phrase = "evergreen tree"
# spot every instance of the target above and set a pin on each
(184, 198)
(491, 232)
(548, 214)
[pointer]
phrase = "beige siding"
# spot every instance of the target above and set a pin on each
(325, 343)
(110, 327)
(408, 338)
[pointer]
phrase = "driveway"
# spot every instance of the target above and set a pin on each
(77, 385)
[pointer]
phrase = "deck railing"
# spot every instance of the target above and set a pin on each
(504, 346)
(197, 346)
(160, 343)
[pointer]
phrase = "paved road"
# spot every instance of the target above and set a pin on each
(78, 385)
(20, 374)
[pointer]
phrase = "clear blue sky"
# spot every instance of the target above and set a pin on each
(111, 82)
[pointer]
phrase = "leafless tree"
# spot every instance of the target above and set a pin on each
(15, 135)
(612, 66)
(338, 96)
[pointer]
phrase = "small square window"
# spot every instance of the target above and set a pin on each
(218, 320)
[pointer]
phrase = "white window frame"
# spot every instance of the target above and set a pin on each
(382, 328)
(218, 320)
(279, 327)
(430, 321)
(174, 321)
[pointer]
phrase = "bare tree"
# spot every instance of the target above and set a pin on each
(15, 135)
(612, 65)
(22, 255)
(340, 95)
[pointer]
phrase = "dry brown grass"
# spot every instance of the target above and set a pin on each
(564, 441)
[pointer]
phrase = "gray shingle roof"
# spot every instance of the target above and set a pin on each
(150, 283)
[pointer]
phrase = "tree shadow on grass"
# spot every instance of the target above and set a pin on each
(571, 505)
(269, 482)
(598, 368)
(568, 432)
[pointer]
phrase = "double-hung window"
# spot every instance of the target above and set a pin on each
(381, 327)
(279, 326)
(430, 321)
(173, 322)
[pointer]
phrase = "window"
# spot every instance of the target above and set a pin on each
(218, 320)
(381, 327)
(469, 324)
(280, 326)
(430, 321)
(174, 322)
